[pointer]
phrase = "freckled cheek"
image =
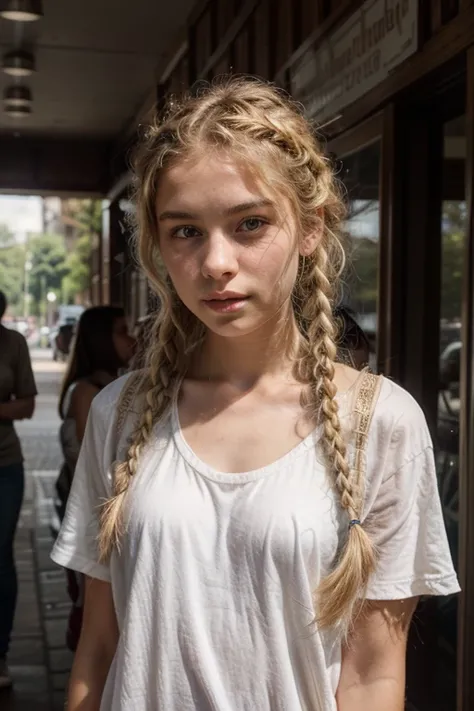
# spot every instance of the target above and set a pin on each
(183, 272)
(270, 267)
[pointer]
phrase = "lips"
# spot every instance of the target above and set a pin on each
(225, 296)
(226, 302)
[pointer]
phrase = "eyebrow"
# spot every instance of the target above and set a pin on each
(234, 210)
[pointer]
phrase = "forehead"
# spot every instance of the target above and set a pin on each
(211, 180)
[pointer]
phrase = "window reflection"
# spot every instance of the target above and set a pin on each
(360, 175)
(447, 434)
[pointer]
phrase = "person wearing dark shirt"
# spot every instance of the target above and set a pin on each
(17, 402)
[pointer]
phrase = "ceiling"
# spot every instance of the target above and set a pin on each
(97, 61)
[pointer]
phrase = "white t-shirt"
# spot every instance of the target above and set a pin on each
(213, 586)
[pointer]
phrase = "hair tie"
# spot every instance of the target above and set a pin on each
(354, 522)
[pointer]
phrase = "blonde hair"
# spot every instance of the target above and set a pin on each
(260, 125)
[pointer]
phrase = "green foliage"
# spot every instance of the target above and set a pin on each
(48, 260)
(52, 267)
(77, 280)
(12, 264)
(87, 214)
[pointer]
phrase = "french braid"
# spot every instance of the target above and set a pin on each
(157, 384)
(259, 125)
(343, 588)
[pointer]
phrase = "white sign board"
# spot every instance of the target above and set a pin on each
(357, 57)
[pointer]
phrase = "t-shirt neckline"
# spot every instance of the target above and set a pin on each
(239, 478)
(236, 478)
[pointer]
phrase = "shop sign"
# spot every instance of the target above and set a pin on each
(357, 57)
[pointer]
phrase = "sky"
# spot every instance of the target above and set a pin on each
(21, 214)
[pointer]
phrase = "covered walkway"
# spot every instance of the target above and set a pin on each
(38, 658)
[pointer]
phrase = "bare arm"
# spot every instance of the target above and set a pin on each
(96, 648)
(81, 402)
(373, 660)
(19, 409)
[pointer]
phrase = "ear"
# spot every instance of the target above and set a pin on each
(310, 241)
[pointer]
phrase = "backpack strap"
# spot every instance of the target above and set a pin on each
(365, 399)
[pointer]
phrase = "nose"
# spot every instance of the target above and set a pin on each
(219, 258)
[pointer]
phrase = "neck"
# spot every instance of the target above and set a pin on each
(245, 360)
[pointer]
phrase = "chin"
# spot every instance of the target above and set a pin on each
(231, 327)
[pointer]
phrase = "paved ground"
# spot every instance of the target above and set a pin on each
(38, 658)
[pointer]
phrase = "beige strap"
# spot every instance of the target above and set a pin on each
(366, 397)
(125, 402)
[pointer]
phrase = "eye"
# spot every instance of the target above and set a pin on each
(252, 224)
(185, 232)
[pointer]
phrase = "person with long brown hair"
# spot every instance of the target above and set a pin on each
(257, 528)
(101, 348)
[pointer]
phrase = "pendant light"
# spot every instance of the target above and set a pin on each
(21, 10)
(19, 63)
(18, 111)
(17, 96)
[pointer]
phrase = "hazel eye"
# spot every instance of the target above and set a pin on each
(185, 232)
(252, 224)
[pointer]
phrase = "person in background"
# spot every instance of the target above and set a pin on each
(102, 347)
(17, 402)
(353, 344)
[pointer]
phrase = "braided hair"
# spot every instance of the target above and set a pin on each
(255, 122)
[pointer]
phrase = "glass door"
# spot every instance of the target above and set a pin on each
(453, 245)
(358, 160)
(434, 258)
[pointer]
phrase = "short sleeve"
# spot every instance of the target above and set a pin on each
(25, 385)
(76, 546)
(404, 516)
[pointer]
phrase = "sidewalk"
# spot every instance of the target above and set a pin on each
(38, 657)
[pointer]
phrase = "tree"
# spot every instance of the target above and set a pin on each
(48, 260)
(12, 265)
(77, 280)
(86, 216)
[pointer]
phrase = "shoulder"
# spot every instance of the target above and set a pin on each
(122, 392)
(396, 408)
(398, 431)
(13, 338)
(108, 398)
(82, 388)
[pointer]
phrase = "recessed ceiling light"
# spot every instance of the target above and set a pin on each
(21, 10)
(19, 63)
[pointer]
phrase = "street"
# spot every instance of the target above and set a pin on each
(38, 658)
(39, 435)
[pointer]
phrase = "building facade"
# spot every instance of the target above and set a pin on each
(390, 85)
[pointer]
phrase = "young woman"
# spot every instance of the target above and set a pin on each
(102, 347)
(236, 565)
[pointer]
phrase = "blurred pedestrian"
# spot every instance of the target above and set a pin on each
(101, 348)
(260, 534)
(17, 402)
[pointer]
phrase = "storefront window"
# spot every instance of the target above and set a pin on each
(449, 397)
(360, 175)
